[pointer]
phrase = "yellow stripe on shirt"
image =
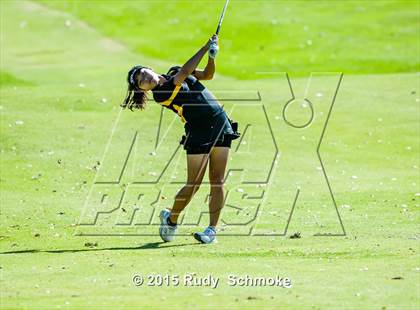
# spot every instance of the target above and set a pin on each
(174, 93)
(179, 110)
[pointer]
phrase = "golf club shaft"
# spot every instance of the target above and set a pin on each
(221, 17)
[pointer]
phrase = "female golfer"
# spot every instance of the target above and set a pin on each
(208, 131)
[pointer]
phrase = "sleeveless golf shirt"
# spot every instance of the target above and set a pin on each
(191, 100)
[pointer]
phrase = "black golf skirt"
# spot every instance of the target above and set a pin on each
(207, 132)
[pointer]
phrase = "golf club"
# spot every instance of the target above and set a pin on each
(213, 48)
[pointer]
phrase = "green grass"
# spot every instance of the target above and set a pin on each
(7, 79)
(57, 66)
(294, 36)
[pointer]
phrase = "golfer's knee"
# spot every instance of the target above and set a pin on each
(217, 181)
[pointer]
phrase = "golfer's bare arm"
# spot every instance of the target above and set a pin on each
(208, 72)
(189, 67)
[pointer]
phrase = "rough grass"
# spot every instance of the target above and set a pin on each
(293, 36)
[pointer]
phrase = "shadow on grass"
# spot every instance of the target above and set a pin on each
(147, 246)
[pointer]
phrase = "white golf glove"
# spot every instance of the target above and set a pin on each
(213, 49)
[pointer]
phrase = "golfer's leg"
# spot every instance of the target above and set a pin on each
(196, 166)
(218, 161)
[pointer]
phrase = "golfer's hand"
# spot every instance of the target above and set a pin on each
(214, 47)
(213, 40)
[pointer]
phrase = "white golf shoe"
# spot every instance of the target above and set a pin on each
(167, 232)
(208, 236)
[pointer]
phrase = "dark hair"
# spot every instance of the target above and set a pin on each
(136, 98)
